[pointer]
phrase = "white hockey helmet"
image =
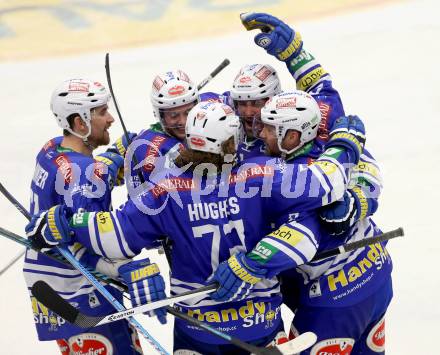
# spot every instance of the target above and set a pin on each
(255, 81)
(209, 125)
(296, 110)
(172, 89)
(77, 96)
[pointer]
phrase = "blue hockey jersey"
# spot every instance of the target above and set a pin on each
(210, 218)
(66, 177)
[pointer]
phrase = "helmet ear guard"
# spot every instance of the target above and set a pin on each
(77, 97)
(293, 110)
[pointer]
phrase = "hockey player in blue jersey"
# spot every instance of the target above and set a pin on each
(66, 173)
(342, 299)
(212, 211)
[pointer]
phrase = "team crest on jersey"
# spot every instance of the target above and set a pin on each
(90, 343)
(376, 337)
(340, 346)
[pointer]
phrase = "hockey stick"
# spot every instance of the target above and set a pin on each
(101, 277)
(104, 292)
(345, 248)
(214, 73)
(51, 299)
(23, 211)
(83, 320)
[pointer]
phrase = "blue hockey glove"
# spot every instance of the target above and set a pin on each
(277, 38)
(49, 228)
(338, 217)
(115, 164)
(121, 144)
(348, 132)
(145, 285)
(236, 278)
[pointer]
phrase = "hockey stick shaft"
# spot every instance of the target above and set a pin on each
(359, 244)
(12, 262)
(47, 296)
(25, 213)
(105, 293)
(110, 298)
(217, 70)
(92, 321)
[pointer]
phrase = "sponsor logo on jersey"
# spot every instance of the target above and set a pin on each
(310, 79)
(374, 257)
(158, 83)
(256, 171)
(327, 167)
(376, 337)
(63, 164)
(105, 223)
(250, 314)
(263, 73)
(334, 346)
(64, 347)
(153, 152)
(44, 316)
(262, 252)
(288, 235)
(173, 184)
(323, 130)
(76, 85)
(90, 344)
(176, 90)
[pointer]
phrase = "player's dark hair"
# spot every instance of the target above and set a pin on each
(70, 120)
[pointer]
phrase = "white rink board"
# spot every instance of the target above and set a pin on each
(383, 61)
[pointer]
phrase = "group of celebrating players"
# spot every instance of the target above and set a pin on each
(242, 188)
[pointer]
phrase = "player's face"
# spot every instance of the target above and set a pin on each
(268, 135)
(248, 110)
(100, 123)
(174, 120)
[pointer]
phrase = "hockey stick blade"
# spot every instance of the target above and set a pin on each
(52, 300)
(217, 70)
(345, 248)
(298, 344)
(84, 321)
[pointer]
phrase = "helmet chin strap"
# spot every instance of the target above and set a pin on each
(88, 144)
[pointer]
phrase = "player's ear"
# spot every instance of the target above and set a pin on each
(79, 125)
(291, 139)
